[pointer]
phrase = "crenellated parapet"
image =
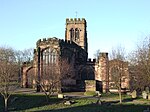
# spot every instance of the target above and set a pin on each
(46, 41)
(76, 20)
(91, 61)
(69, 43)
(76, 31)
(69, 46)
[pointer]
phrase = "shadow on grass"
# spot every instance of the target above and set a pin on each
(128, 99)
(26, 102)
(20, 102)
(1, 103)
(101, 108)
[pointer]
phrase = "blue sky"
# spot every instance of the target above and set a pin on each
(109, 22)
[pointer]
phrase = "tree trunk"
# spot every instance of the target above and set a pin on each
(6, 104)
(59, 87)
(45, 92)
(47, 97)
(120, 95)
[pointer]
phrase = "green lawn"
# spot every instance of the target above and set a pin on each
(32, 103)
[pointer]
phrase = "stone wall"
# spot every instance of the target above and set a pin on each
(102, 73)
(80, 24)
(122, 68)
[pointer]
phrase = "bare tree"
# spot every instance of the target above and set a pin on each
(140, 63)
(117, 74)
(53, 76)
(8, 74)
(118, 54)
(25, 55)
(96, 55)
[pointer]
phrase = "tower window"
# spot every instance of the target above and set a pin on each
(76, 34)
(72, 33)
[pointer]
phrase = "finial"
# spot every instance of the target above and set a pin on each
(76, 14)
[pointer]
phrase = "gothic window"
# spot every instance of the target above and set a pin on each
(76, 34)
(54, 56)
(49, 60)
(49, 56)
(87, 73)
(72, 33)
(45, 56)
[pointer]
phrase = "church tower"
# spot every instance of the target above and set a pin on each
(76, 32)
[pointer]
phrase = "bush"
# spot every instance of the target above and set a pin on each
(90, 93)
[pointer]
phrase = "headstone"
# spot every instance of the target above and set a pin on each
(68, 103)
(147, 90)
(128, 93)
(134, 94)
(66, 97)
(144, 95)
(149, 96)
(60, 96)
(98, 94)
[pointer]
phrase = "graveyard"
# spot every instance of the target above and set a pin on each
(76, 102)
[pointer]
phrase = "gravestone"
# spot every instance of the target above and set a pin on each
(149, 96)
(147, 90)
(61, 96)
(128, 93)
(145, 95)
(98, 94)
(68, 103)
(134, 94)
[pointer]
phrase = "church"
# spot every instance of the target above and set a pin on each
(66, 61)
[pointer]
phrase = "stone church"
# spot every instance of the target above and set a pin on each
(83, 74)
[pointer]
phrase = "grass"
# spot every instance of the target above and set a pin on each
(32, 103)
(90, 93)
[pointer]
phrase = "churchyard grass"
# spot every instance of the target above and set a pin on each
(37, 102)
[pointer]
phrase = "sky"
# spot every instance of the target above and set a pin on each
(109, 22)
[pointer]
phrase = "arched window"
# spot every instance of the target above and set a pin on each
(76, 34)
(54, 56)
(87, 73)
(49, 56)
(72, 33)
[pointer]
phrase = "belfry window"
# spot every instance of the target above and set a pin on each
(72, 33)
(76, 34)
